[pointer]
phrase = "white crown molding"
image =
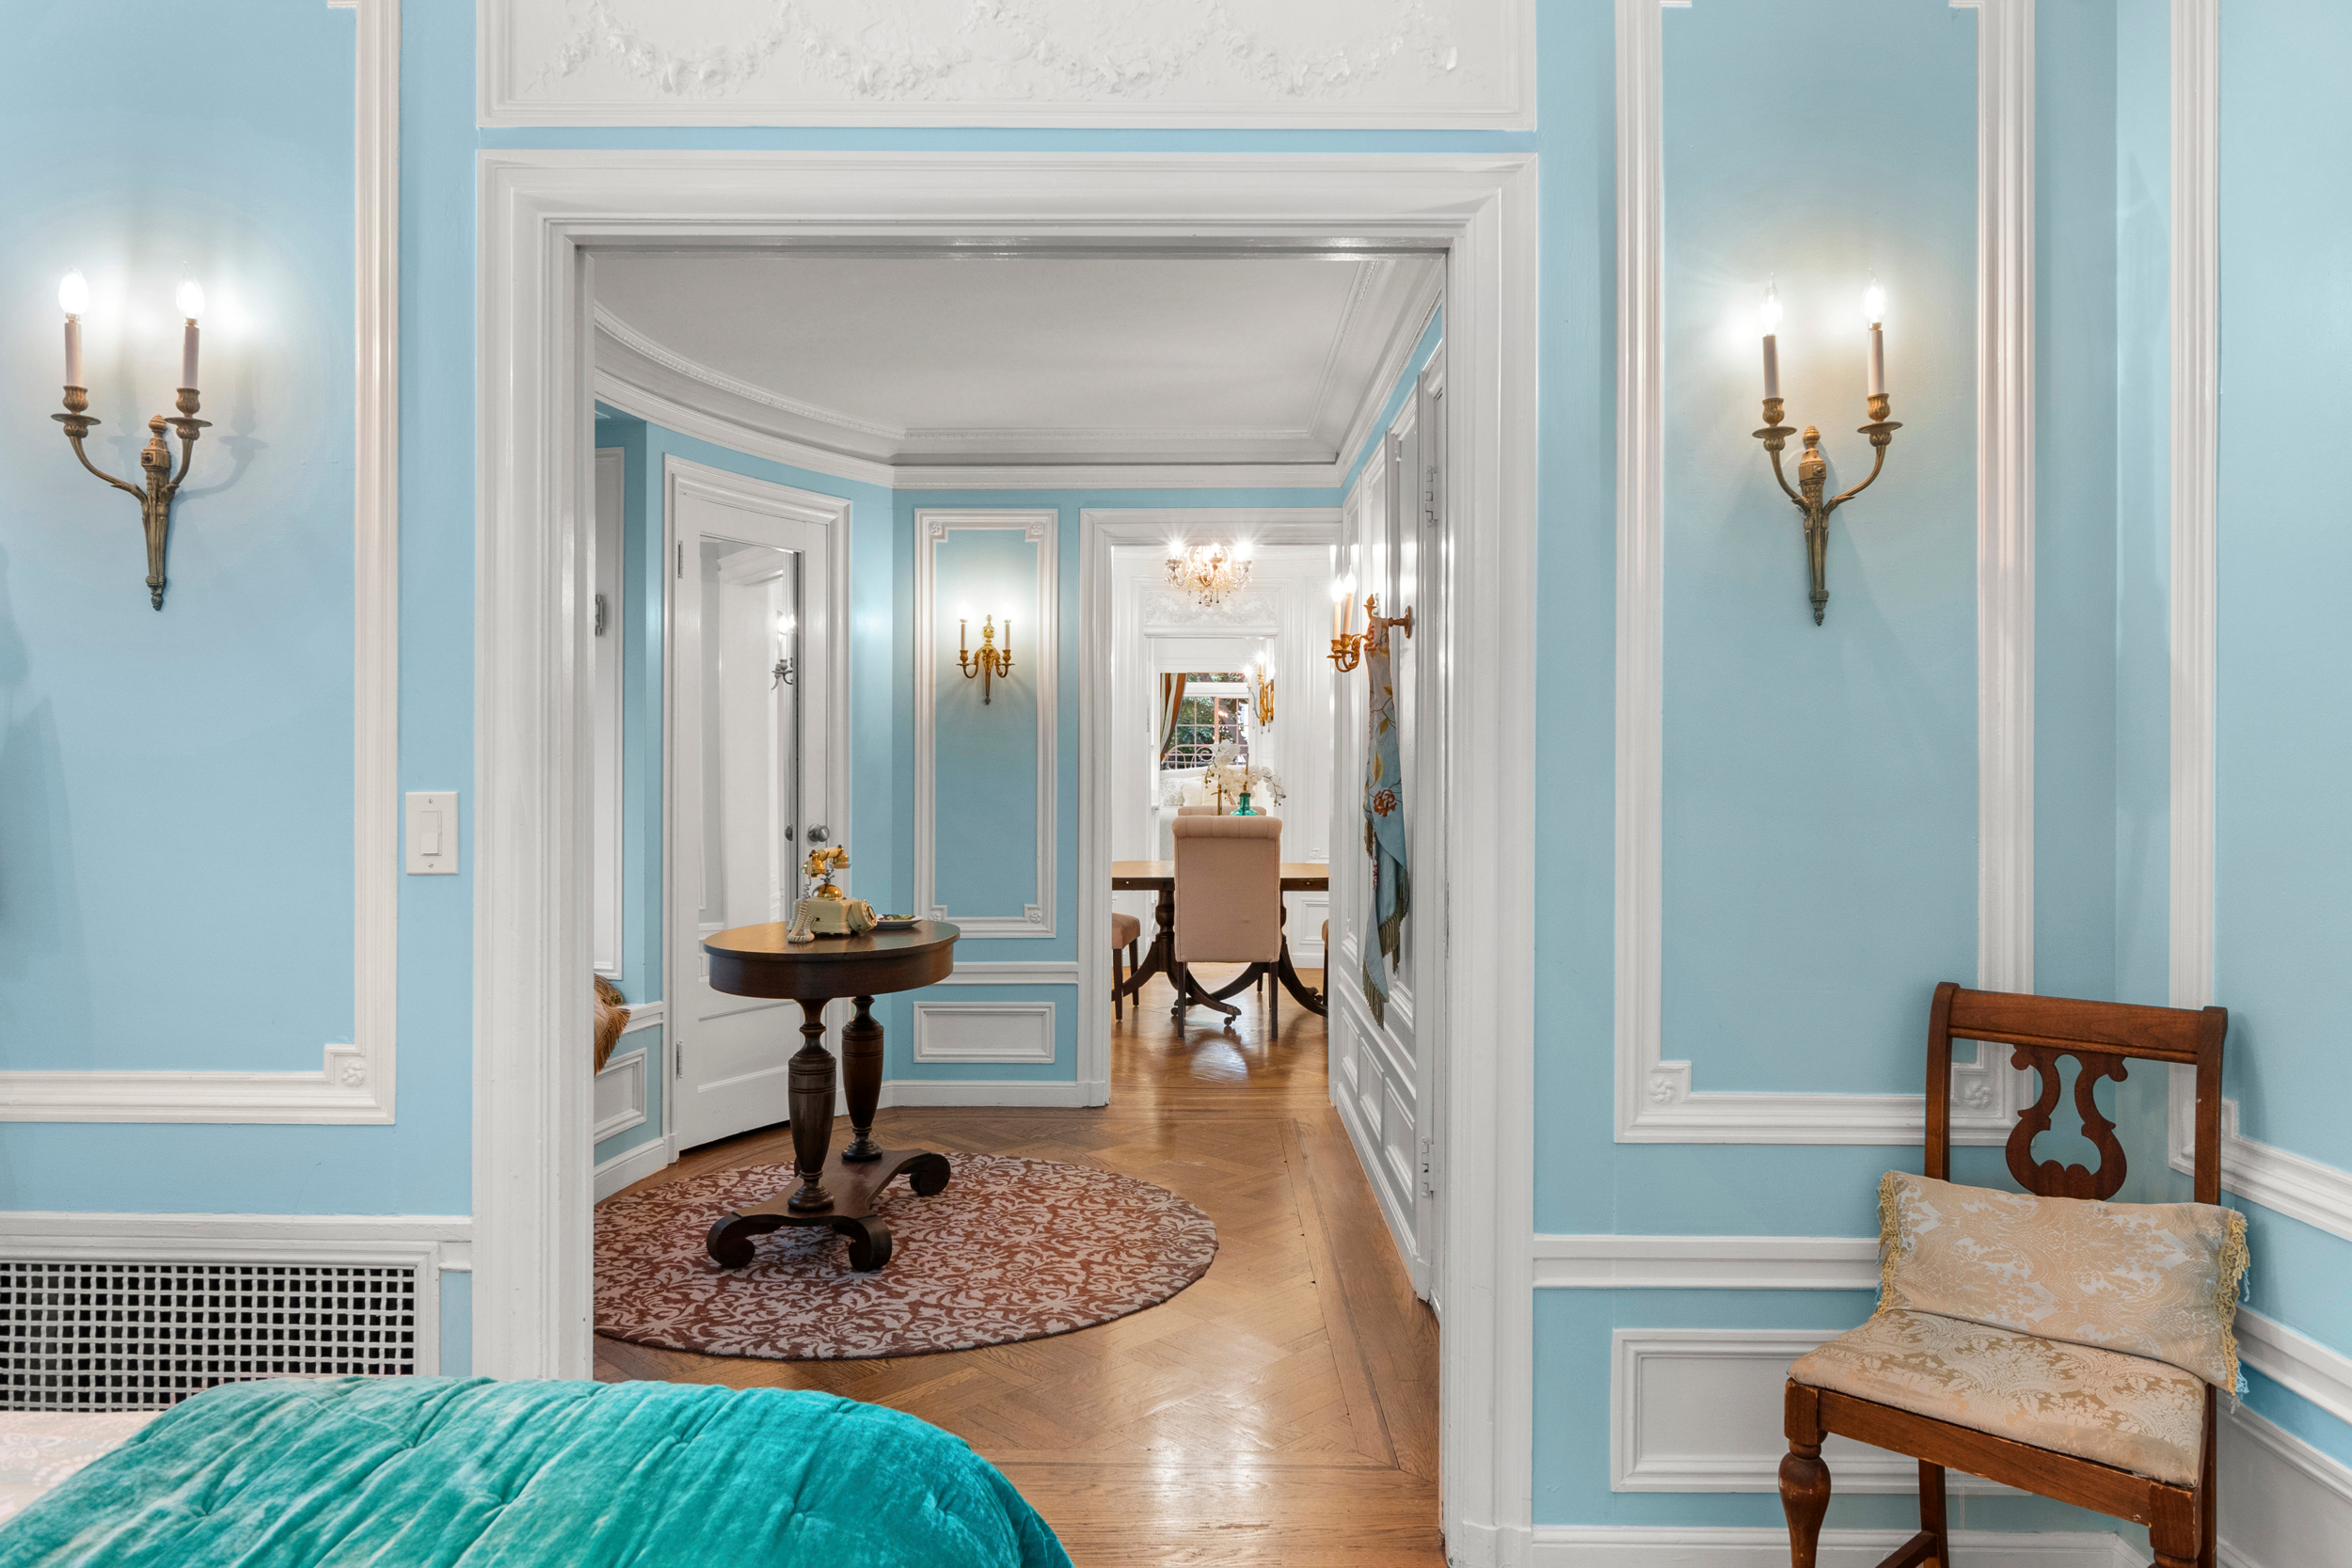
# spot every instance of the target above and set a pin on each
(1043, 668)
(1706, 1263)
(639, 363)
(658, 408)
(1463, 65)
(687, 420)
(357, 1081)
(1657, 1101)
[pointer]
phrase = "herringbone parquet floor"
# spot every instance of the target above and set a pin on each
(1282, 1410)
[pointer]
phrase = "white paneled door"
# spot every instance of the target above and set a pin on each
(1386, 1072)
(749, 686)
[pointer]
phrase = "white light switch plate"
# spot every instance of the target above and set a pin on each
(432, 832)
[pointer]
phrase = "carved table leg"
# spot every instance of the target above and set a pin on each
(811, 1081)
(869, 1241)
(861, 1076)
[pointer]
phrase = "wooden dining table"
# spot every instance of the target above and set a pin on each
(1160, 877)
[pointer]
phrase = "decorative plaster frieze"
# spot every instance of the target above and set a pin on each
(1461, 64)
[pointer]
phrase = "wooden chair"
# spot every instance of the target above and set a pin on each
(2101, 1036)
(1126, 932)
(1228, 900)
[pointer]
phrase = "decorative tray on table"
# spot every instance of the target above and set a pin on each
(894, 922)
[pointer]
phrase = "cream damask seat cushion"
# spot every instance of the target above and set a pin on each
(2127, 1411)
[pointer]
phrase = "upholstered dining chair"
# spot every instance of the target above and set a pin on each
(1196, 811)
(1229, 900)
(2050, 1340)
(1126, 935)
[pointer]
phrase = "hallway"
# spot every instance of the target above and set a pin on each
(1282, 1410)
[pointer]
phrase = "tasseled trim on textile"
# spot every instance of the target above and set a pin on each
(1890, 1236)
(2228, 1287)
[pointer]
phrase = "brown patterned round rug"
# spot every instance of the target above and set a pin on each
(1013, 1249)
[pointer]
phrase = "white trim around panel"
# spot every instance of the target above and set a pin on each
(1700, 1410)
(1657, 1101)
(2294, 1185)
(978, 1032)
(357, 1081)
(1040, 665)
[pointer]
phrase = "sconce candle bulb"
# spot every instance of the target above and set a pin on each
(74, 298)
(1771, 315)
(1874, 314)
(191, 301)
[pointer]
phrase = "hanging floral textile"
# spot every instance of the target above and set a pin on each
(1384, 829)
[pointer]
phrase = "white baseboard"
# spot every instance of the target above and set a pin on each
(1667, 1546)
(2284, 1504)
(983, 1091)
(632, 1164)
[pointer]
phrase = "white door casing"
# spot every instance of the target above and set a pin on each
(541, 212)
(727, 1054)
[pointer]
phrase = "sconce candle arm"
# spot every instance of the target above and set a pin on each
(74, 437)
(1877, 462)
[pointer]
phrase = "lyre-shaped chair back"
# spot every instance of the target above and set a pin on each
(2101, 1036)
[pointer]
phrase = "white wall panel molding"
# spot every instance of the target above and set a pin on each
(1390, 64)
(1043, 973)
(1040, 666)
(1658, 1100)
(540, 213)
(1699, 1410)
(356, 1083)
(2296, 1361)
(1706, 1263)
(2292, 1184)
(2284, 1503)
(983, 1091)
(984, 1032)
(1767, 1546)
(620, 1096)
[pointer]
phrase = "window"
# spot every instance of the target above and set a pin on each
(1214, 709)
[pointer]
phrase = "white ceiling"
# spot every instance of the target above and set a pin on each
(921, 359)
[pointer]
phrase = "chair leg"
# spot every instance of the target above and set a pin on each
(1118, 988)
(1804, 1499)
(1932, 1511)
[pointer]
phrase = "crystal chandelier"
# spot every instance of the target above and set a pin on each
(1209, 573)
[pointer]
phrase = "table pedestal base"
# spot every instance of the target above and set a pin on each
(854, 1185)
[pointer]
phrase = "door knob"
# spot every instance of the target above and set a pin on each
(817, 835)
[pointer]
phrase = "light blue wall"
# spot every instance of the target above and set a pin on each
(985, 761)
(240, 690)
(1820, 863)
(2283, 903)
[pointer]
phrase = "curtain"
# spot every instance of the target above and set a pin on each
(1384, 828)
(1171, 701)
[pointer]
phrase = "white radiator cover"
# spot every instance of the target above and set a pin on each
(128, 1333)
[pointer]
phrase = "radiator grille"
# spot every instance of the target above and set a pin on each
(127, 1335)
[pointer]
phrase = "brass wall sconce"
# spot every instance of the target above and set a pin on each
(1813, 468)
(160, 480)
(1348, 645)
(990, 663)
(1261, 691)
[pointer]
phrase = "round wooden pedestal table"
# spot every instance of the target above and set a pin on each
(837, 1190)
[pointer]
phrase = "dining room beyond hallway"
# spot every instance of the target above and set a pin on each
(1283, 1409)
